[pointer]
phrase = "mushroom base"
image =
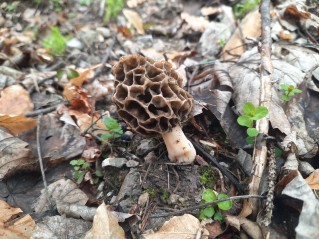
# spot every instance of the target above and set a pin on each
(179, 148)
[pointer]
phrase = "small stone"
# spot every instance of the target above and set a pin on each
(114, 162)
(132, 163)
(145, 146)
(74, 43)
(150, 157)
(106, 33)
(175, 199)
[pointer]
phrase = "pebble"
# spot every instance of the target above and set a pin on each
(74, 43)
(114, 162)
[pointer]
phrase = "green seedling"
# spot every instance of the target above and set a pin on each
(251, 114)
(56, 42)
(113, 8)
(114, 129)
(81, 167)
(290, 91)
(214, 211)
(242, 8)
(70, 73)
(86, 2)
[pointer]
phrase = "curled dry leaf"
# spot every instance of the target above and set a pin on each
(14, 155)
(105, 225)
(186, 226)
(62, 190)
(194, 22)
(251, 228)
(134, 3)
(14, 225)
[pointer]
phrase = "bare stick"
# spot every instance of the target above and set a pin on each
(41, 161)
(205, 205)
(266, 71)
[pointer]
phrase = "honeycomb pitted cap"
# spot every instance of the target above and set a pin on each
(149, 96)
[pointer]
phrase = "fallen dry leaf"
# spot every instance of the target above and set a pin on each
(12, 224)
(105, 225)
(313, 180)
(250, 227)
(135, 20)
(14, 155)
(194, 22)
(62, 190)
(180, 227)
(249, 27)
(17, 124)
(61, 227)
(15, 100)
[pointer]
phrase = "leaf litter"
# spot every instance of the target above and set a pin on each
(219, 60)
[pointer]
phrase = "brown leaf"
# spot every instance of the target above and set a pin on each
(180, 227)
(313, 180)
(17, 124)
(13, 225)
(14, 155)
(249, 27)
(105, 225)
(135, 20)
(15, 100)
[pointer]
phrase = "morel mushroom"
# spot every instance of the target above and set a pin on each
(150, 100)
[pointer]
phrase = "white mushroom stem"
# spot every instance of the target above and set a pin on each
(179, 148)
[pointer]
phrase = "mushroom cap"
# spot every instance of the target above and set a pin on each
(149, 96)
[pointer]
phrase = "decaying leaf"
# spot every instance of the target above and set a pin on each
(58, 141)
(308, 220)
(17, 124)
(76, 210)
(61, 227)
(194, 22)
(105, 225)
(14, 155)
(14, 225)
(134, 3)
(251, 228)
(180, 227)
(15, 100)
(135, 20)
(62, 190)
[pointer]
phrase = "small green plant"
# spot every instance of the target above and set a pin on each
(70, 73)
(12, 7)
(222, 42)
(290, 91)
(113, 8)
(214, 211)
(242, 8)
(56, 42)
(207, 175)
(81, 168)
(85, 2)
(114, 129)
(251, 114)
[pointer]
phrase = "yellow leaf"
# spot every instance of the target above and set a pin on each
(17, 123)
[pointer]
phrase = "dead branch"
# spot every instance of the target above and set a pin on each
(266, 71)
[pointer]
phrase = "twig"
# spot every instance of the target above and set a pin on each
(207, 156)
(41, 162)
(266, 71)
(271, 186)
(43, 111)
(205, 205)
